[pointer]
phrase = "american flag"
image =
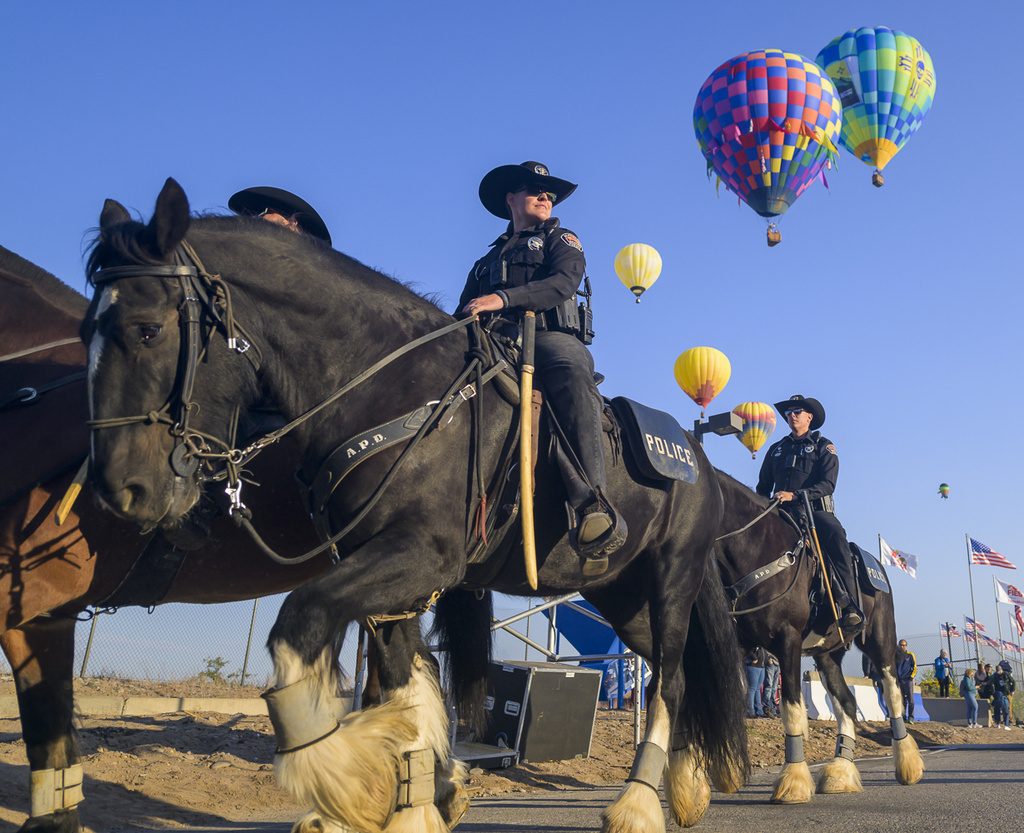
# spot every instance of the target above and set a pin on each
(988, 640)
(948, 631)
(970, 625)
(1019, 614)
(1009, 646)
(980, 554)
(969, 638)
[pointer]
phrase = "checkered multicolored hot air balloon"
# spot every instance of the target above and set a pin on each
(886, 83)
(758, 424)
(766, 123)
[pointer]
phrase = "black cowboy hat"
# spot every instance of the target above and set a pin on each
(798, 401)
(254, 201)
(507, 178)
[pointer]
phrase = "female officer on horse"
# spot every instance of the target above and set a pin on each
(537, 265)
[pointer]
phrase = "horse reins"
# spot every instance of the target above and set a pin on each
(203, 291)
(740, 588)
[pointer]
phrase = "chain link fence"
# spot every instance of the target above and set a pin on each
(182, 642)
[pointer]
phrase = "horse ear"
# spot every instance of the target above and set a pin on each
(113, 214)
(170, 220)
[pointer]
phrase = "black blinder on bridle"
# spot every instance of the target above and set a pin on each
(198, 294)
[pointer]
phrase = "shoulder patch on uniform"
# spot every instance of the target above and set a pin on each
(572, 240)
(831, 449)
(535, 243)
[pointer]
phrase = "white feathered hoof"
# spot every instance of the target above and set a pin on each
(839, 776)
(686, 789)
(417, 820)
(452, 798)
(351, 776)
(636, 810)
(794, 785)
(315, 823)
(907, 760)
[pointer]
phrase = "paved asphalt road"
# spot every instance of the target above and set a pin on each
(965, 789)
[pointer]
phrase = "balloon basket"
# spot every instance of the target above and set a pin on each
(774, 235)
(877, 179)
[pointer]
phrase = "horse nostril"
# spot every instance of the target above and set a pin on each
(132, 495)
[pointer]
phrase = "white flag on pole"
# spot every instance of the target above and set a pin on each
(897, 558)
(1007, 593)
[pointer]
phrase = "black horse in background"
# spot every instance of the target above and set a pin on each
(777, 614)
(195, 318)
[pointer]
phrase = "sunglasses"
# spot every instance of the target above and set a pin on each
(538, 191)
(796, 411)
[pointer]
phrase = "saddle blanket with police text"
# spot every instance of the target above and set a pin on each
(658, 444)
(872, 576)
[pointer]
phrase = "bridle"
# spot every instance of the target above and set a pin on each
(201, 292)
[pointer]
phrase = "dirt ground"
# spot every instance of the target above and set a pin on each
(207, 768)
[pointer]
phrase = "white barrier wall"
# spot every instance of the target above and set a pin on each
(819, 704)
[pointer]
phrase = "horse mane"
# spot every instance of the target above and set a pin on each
(52, 288)
(129, 242)
(743, 489)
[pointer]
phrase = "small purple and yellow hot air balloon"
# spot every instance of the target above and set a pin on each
(702, 372)
(758, 424)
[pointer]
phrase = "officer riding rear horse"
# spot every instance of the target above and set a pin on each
(806, 462)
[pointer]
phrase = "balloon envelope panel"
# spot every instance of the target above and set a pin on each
(702, 372)
(762, 120)
(886, 83)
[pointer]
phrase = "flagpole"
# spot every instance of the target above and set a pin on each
(1002, 652)
(1020, 654)
(974, 613)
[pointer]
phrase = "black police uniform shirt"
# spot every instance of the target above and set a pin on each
(809, 464)
(544, 264)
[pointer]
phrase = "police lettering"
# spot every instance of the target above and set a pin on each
(362, 445)
(669, 449)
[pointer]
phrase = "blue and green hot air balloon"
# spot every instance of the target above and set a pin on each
(886, 82)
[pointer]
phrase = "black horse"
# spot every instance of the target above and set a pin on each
(412, 521)
(770, 569)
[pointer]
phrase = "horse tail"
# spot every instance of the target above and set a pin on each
(462, 626)
(713, 714)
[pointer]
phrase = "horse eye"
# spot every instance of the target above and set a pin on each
(147, 332)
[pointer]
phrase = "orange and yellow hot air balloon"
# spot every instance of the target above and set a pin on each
(638, 266)
(702, 372)
(758, 424)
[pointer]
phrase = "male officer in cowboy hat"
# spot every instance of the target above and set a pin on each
(538, 265)
(280, 207)
(805, 461)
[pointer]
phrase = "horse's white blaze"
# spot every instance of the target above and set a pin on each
(107, 299)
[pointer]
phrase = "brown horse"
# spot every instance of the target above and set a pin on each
(49, 574)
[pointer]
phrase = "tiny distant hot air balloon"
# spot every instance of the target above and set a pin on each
(758, 424)
(944, 490)
(766, 122)
(886, 83)
(638, 266)
(702, 372)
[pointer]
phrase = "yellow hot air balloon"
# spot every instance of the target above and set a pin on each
(758, 424)
(702, 372)
(638, 266)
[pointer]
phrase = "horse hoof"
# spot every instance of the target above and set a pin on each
(453, 807)
(62, 821)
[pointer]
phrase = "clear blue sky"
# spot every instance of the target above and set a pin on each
(897, 307)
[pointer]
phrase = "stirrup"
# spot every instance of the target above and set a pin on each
(604, 544)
